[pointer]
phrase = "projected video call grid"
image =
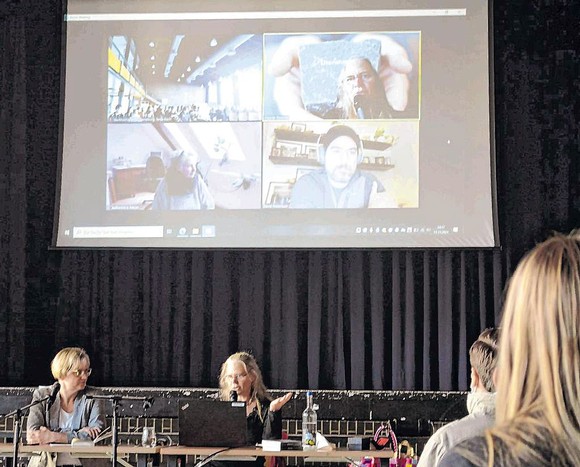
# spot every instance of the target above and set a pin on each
(233, 114)
(283, 129)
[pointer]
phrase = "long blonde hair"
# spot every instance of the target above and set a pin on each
(258, 392)
(538, 384)
(377, 103)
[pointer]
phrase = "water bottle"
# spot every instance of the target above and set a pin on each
(309, 424)
(149, 437)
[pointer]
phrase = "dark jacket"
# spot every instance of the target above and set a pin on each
(504, 456)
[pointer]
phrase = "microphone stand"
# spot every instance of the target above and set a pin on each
(115, 399)
(17, 414)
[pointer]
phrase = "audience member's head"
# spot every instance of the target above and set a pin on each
(480, 403)
(538, 381)
(483, 359)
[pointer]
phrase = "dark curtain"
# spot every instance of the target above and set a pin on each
(366, 319)
(356, 319)
(13, 196)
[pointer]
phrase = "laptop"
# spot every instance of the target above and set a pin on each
(212, 423)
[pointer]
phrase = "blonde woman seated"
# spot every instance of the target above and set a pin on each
(71, 415)
(538, 371)
(240, 373)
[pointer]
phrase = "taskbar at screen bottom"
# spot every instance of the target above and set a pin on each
(274, 236)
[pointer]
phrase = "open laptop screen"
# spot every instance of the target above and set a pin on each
(207, 422)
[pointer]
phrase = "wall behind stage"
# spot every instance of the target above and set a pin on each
(318, 319)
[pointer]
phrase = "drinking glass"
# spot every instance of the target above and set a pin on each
(149, 437)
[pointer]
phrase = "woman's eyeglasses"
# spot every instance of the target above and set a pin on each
(236, 376)
(79, 373)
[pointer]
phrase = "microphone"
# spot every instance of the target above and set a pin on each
(53, 394)
(233, 396)
(50, 402)
(359, 105)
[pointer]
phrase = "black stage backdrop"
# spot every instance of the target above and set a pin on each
(316, 319)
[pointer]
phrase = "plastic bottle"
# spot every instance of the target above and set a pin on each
(309, 420)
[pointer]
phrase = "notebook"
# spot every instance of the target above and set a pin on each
(212, 423)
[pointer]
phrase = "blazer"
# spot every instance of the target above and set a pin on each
(86, 412)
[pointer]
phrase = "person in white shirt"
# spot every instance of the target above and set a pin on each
(480, 402)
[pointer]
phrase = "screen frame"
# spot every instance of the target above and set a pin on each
(492, 158)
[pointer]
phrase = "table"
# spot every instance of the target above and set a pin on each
(337, 455)
(91, 452)
(173, 452)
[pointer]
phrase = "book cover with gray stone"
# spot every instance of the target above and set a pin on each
(321, 65)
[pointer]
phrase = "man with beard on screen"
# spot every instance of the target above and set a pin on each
(339, 183)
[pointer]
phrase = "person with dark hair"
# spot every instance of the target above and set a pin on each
(183, 188)
(360, 93)
(480, 402)
(339, 183)
(241, 374)
(537, 419)
(69, 414)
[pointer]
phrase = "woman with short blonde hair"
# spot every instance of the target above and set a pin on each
(67, 414)
(66, 360)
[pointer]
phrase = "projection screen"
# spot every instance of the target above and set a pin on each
(271, 124)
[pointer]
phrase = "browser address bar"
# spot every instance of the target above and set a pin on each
(266, 15)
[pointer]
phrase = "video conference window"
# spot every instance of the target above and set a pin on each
(321, 165)
(172, 84)
(341, 76)
(216, 166)
(276, 129)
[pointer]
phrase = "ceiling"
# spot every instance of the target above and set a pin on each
(180, 51)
